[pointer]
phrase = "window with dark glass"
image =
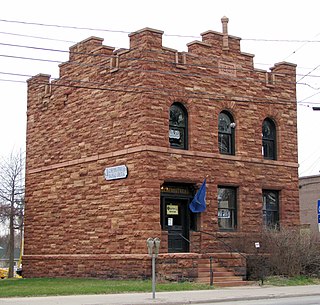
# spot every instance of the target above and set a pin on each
(269, 150)
(226, 127)
(270, 209)
(227, 208)
(178, 123)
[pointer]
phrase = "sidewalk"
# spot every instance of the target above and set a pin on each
(172, 298)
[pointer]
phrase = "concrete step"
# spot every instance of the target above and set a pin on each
(215, 269)
(226, 279)
(223, 273)
(231, 284)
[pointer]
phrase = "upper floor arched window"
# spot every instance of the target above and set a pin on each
(226, 127)
(269, 136)
(178, 126)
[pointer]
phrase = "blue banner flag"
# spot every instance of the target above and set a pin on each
(198, 203)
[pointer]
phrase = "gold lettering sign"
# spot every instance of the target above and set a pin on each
(172, 209)
(175, 190)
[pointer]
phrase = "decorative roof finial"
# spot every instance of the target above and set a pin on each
(225, 42)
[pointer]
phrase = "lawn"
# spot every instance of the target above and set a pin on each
(63, 286)
(294, 281)
(20, 287)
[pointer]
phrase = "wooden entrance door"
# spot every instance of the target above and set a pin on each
(176, 217)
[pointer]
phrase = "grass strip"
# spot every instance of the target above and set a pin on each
(70, 286)
(292, 281)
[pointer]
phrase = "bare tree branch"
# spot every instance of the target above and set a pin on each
(12, 199)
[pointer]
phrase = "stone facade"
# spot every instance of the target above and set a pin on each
(111, 107)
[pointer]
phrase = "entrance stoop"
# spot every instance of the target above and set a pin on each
(228, 269)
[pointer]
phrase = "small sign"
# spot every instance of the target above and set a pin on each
(257, 245)
(172, 209)
(223, 213)
(116, 172)
(170, 222)
(174, 134)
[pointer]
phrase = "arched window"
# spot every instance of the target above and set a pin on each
(226, 127)
(178, 126)
(269, 148)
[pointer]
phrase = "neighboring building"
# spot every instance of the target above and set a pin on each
(156, 122)
(4, 257)
(309, 190)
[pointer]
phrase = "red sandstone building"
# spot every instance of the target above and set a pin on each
(118, 145)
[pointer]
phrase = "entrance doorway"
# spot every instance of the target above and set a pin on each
(176, 217)
(176, 221)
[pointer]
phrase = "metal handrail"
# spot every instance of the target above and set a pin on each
(211, 259)
(227, 245)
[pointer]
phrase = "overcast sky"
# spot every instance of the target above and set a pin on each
(273, 30)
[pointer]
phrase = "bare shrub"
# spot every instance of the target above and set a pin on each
(292, 252)
(286, 252)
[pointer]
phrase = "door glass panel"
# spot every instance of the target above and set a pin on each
(173, 214)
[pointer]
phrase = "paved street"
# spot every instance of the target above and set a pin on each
(252, 295)
(304, 300)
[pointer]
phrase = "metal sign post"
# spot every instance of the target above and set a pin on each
(153, 245)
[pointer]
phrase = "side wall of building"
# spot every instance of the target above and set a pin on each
(309, 190)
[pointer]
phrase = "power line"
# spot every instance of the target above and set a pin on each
(302, 101)
(152, 71)
(78, 84)
(246, 98)
(30, 58)
(74, 42)
(129, 32)
(134, 58)
(108, 56)
(89, 54)
(142, 70)
(281, 40)
(180, 73)
(57, 50)
(34, 48)
(37, 37)
(308, 74)
(304, 43)
(12, 81)
(312, 166)
(63, 26)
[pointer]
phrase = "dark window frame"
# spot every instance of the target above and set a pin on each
(226, 133)
(232, 207)
(178, 126)
(269, 139)
(271, 210)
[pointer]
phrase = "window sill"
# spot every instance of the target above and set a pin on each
(228, 230)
